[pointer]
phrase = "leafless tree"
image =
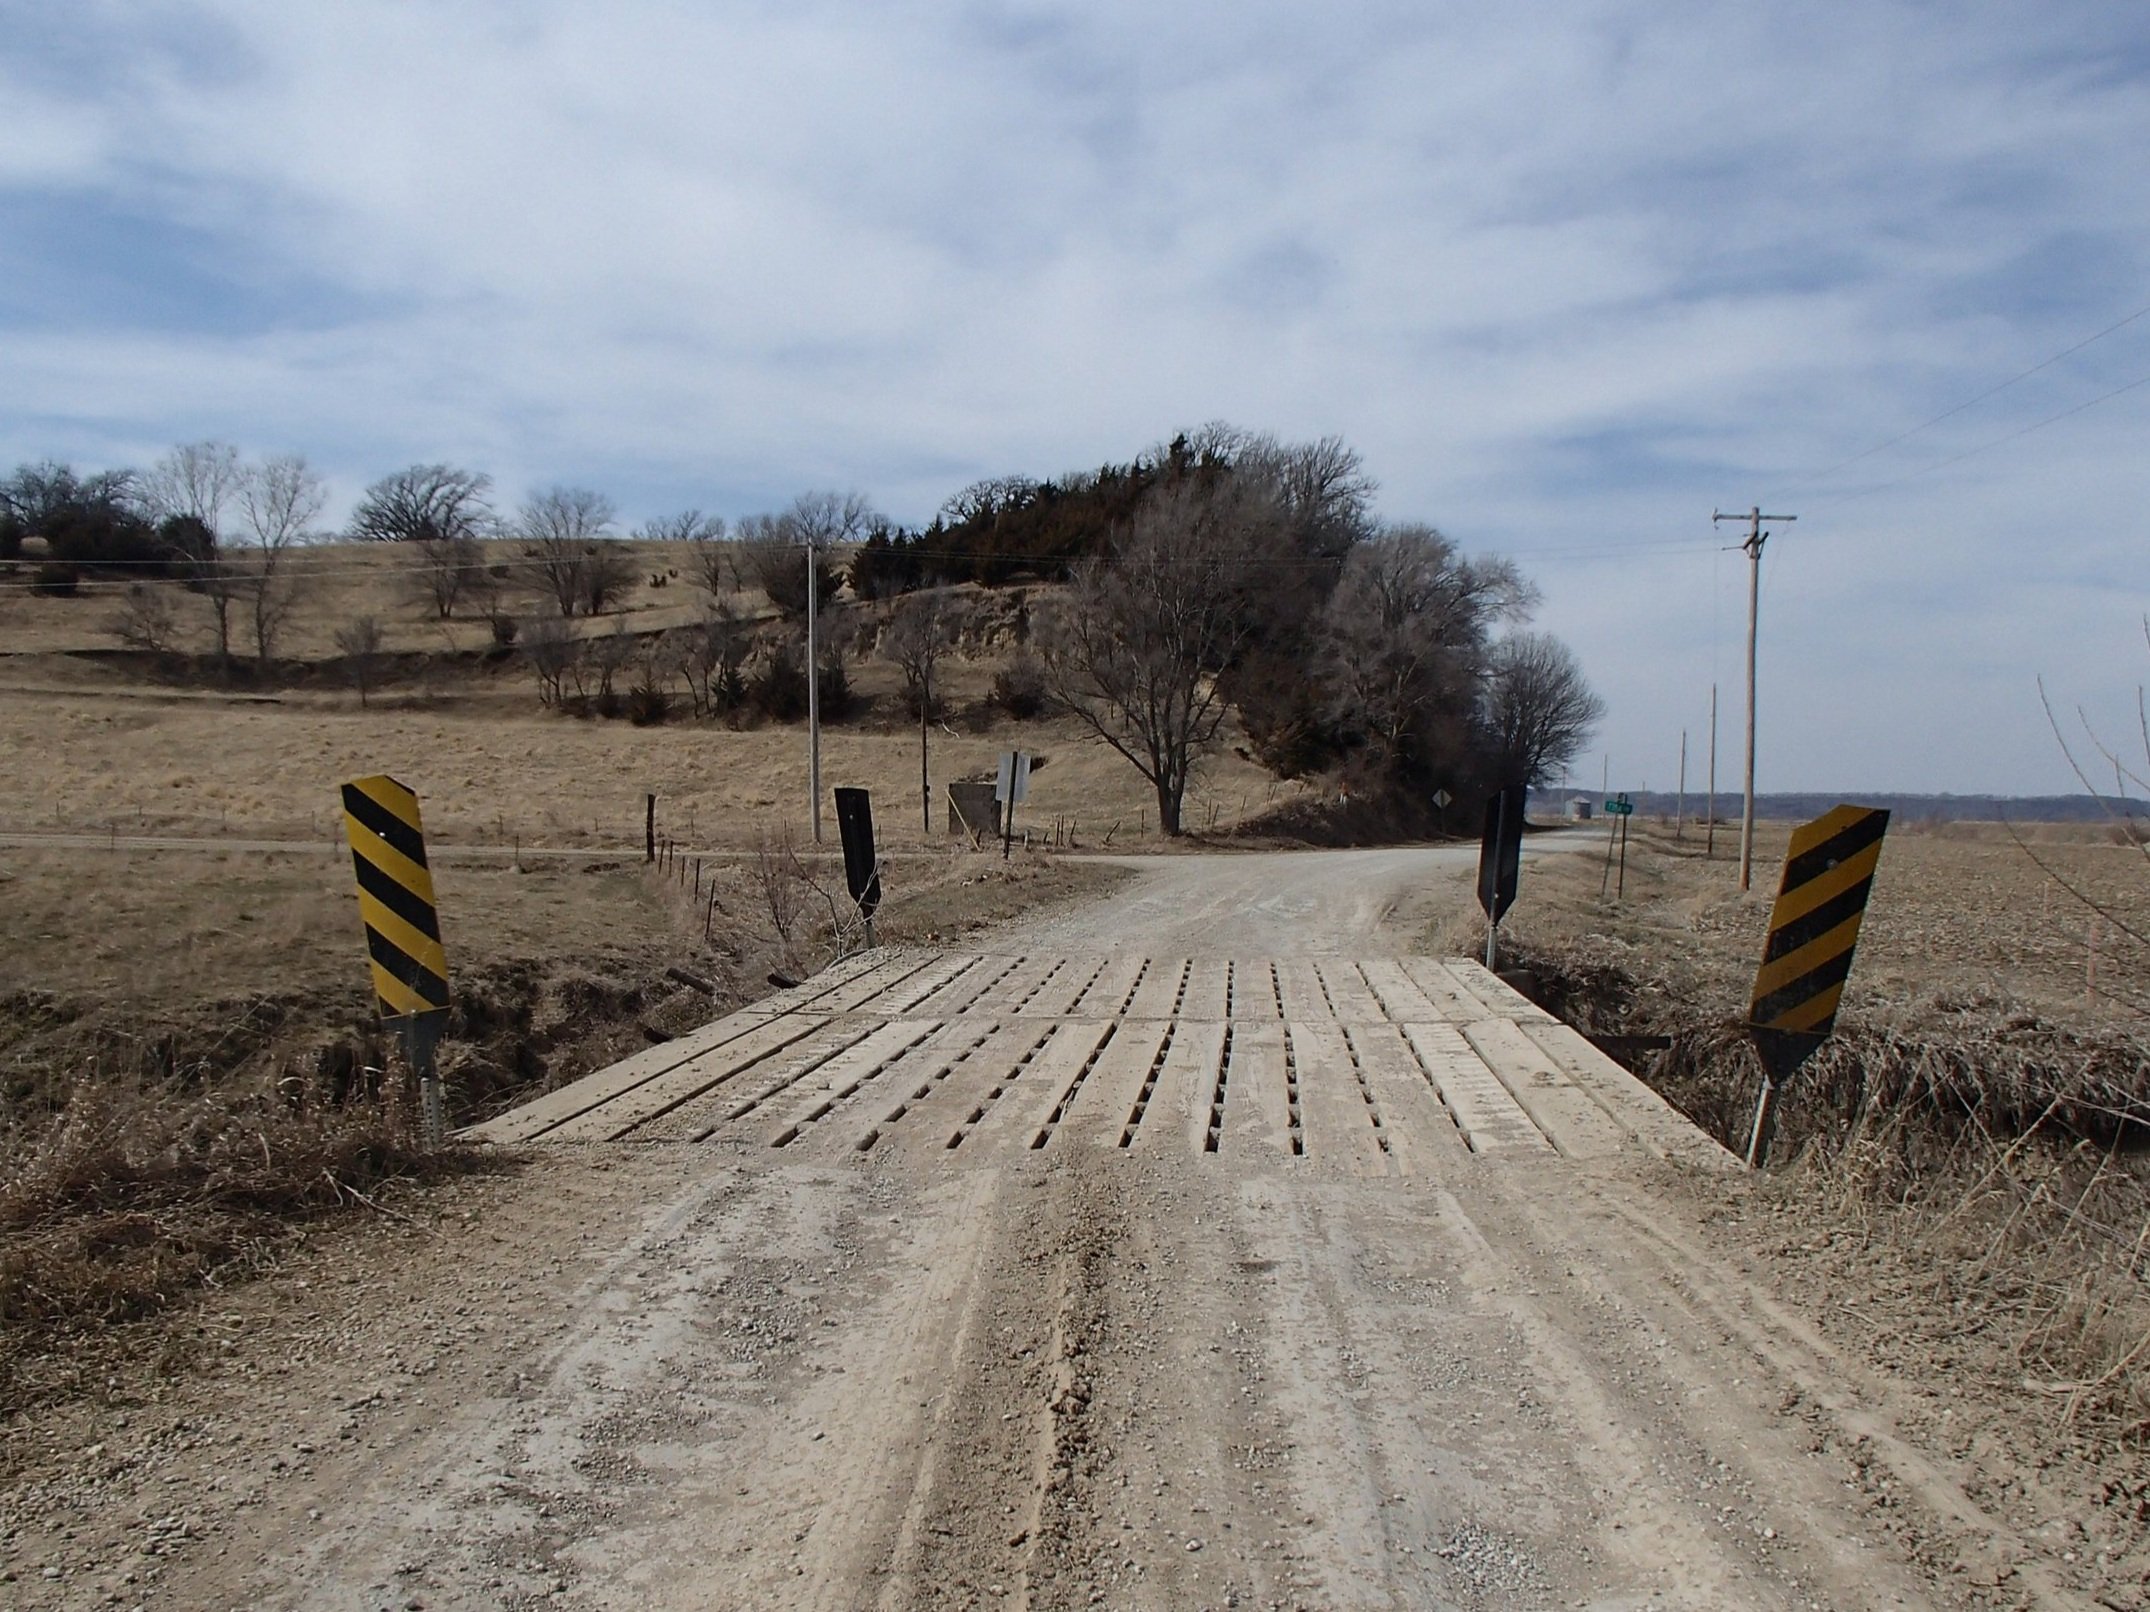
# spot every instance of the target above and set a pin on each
(359, 642)
(1323, 492)
(920, 633)
(1539, 710)
(148, 619)
(607, 573)
(983, 500)
(607, 655)
(1406, 631)
(194, 481)
(688, 526)
(713, 564)
(1141, 637)
(771, 549)
(279, 501)
(187, 491)
(426, 504)
(451, 572)
(824, 519)
(712, 653)
(708, 558)
(550, 645)
(567, 528)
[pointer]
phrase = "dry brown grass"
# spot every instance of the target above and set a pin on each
(338, 582)
(129, 1196)
(1970, 1142)
(189, 1070)
(92, 739)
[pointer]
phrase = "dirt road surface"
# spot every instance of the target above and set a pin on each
(1281, 904)
(982, 1285)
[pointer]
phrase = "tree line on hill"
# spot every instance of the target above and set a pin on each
(1224, 570)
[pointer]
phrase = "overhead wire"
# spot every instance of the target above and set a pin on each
(1983, 447)
(1970, 403)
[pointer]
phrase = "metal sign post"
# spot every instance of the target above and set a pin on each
(1813, 928)
(395, 901)
(1618, 809)
(1500, 859)
(1010, 785)
(862, 865)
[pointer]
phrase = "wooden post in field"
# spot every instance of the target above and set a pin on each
(1709, 817)
(1679, 811)
(649, 828)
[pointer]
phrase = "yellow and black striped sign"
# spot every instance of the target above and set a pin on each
(1828, 873)
(395, 896)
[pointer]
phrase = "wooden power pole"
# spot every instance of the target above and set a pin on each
(1755, 538)
(813, 691)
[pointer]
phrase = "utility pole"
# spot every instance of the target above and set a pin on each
(813, 689)
(1709, 820)
(1679, 812)
(1756, 537)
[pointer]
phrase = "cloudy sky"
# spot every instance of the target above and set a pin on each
(1569, 275)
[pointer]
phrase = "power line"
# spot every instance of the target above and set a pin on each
(1969, 453)
(1949, 414)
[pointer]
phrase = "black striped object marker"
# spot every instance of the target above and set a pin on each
(1813, 929)
(395, 897)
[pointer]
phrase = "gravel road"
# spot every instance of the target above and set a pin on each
(1276, 904)
(729, 1374)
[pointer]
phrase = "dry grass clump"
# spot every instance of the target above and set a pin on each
(1994, 1073)
(1992, 1166)
(129, 1194)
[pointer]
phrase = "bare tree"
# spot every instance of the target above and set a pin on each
(712, 653)
(147, 619)
(220, 580)
(1140, 640)
(713, 565)
(566, 528)
(188, 490)
(359, 642)
(1323, 492)
(1406, 631)
(426, 504)
(279, 500)
(771, 554)
(608, 571)
(607, 655)
(451, 572)
(1539, 711)
(772, 549)
(920, 633)
(688, 526)
(551, 647)
(194, 481)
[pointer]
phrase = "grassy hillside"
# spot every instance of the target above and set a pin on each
(99, 738)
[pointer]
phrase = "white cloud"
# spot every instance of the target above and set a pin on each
(1568, 277)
